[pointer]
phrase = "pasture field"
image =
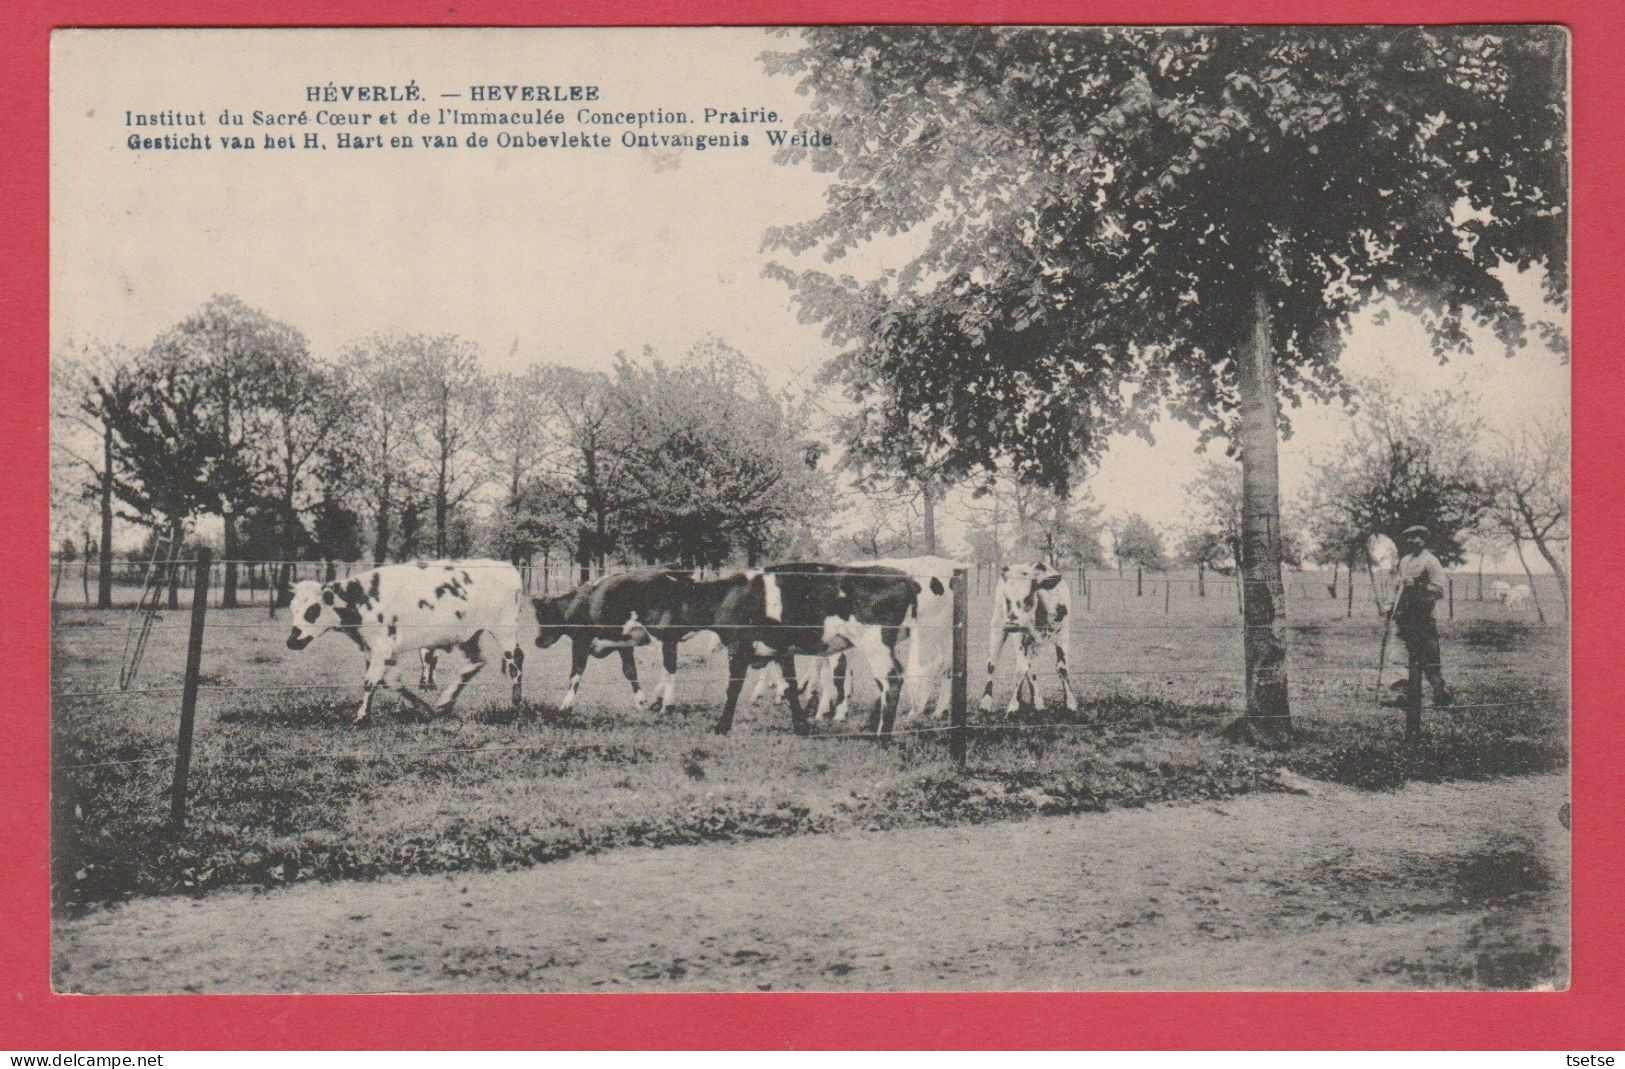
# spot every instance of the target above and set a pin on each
(284, 789)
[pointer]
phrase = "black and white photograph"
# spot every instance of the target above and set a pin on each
(842, 508)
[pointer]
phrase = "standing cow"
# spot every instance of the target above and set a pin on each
(1034, 604)
(427, 607)
(815, 609)
(929, 628)
(618, 613)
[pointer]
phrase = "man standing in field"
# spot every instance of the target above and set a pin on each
(1421, 586)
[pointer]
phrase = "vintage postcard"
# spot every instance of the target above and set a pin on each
(877, 508)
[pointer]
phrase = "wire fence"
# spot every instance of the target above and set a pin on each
(1348, 689)
(264, 583)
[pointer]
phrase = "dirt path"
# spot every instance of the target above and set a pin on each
(1433, 886)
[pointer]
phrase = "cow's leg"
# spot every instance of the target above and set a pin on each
(798, 715)
(1063, 642)
(941, 686)
(764, 682)
(879, 648)
(668, 689)
(513, 658)
(995, 649)
(629, 669)
(580, 647)
(377, 666)
(427, 658)
(471, 650)
(916, 683)
(837, 698)
(1024, 675)
(738, 664)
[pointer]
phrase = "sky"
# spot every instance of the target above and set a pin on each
(558, 256)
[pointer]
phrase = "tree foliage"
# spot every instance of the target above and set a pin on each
(1098, 209)
(1526, 476)
(1135, 541)
(1407, 461)
(720, 462)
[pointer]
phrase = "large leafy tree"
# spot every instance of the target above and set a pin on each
(1112, 221)
(719, 460)
(240, 350)
(307, 408)
(453, 402)
(171, 460)
(382, 467)
(1407, 460)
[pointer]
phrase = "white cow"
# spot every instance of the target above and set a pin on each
(929, 627)
(427, 607)
(1513, 597)
(1034, 603)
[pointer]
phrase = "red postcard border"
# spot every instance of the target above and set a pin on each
(1585, 1016)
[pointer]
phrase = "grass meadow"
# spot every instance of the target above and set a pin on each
(284, 789)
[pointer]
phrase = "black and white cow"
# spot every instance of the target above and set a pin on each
(815, 609)
(619, 613)
(929, 629)
(427, 607)
(1033, 603)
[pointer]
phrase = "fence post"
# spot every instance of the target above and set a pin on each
(1413, 696)
(957, 694)
(194, 658)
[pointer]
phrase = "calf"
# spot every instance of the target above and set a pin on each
(1033, 603)
(426, 607)
(814, 609)
(621, 612)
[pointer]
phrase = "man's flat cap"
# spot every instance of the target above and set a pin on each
(1416, 529)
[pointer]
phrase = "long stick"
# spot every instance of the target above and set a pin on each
(1382, 656)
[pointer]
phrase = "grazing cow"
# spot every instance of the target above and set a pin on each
(1033, 603)
(1517, 597)
(815, 609)
(426, 607)
(929, 627)
(618, 613)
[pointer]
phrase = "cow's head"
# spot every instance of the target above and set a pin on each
(1026, 598)
(550, 618)
(318, 607)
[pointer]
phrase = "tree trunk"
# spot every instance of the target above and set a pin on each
(290, 551)
(1540, 614)
(1557, 571)
(380, 531)
(928, 506)
(228, 586)
(583, 557)
(1268, 716)
(174, 569)
(104, 558)
(1349, 608)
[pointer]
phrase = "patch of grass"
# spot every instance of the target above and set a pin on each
(285, 789)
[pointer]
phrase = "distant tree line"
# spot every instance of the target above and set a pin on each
(403, 446)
